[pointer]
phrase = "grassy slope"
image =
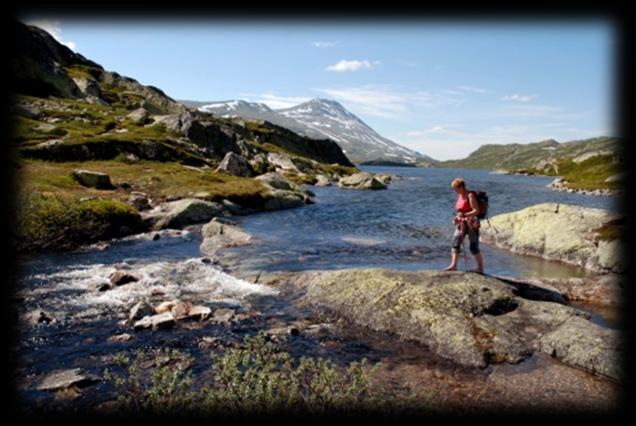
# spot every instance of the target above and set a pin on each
(588, 174)
(54, 211)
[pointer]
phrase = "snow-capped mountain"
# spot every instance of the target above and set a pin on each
(321, 119)
(324, 118)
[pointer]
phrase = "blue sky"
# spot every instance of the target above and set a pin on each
(443, 89)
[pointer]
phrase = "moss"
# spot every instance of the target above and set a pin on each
(336, 169)
(300, 179)
(83, 71)
(158, 180)
(65, 222)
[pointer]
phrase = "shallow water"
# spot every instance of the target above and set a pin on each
(408, 226)
(405, 227)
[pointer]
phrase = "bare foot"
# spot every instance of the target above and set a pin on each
(450, 268)
(477, 271)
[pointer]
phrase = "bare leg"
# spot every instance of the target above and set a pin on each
(480, 263)
(453, 265)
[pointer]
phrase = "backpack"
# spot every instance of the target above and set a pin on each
(482, 202)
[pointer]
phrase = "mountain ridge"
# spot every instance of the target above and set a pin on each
(321, 118)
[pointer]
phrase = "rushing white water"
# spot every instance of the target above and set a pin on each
(73, 292)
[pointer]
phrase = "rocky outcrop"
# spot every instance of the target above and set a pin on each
(44, 67)
(472, 319)
(108, 149)
(163, 320)
(92, 179)
(576, 343)
(602, 290)
(235, 165)
(181, 213)
(283, 193)
(139, 200)
(282, 162)
(61, 379)
(277, 199)
(215, 138)
(561, 185)
(219, 234)
(322, 180)
(361, 181)
(140, 116)
(558, 232)
(322, 150)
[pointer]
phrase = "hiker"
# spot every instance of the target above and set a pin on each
(466, 223)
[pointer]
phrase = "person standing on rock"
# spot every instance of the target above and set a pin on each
(466, 223)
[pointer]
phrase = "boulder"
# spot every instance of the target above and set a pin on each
(471, 319)
(166, 306)
(61, 379)
(155, 322)
(281, 187)
(219, 234)
(88, 87)
(282, 162)
(120, 338)
(120, 278)
(181, 213)
(199, 312)
(92, 179)
(384, 178)
(322, 180)
(557, 232)
(223, 315)
(235, 165)
(584, 345)
(49, 129)
(259, 164)
(277, 199)
(361, 180)
(140, 310)
(180, 310)
(139, 200)
(140, 116)
(278, 181)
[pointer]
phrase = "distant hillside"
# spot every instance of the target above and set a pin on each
(590, 164)
(532, 155)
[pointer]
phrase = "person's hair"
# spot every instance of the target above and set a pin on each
(458, 182)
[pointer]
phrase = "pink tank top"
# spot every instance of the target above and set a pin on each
(462, 204)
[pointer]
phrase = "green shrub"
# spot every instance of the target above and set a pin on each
(63, 222)
(257, 378)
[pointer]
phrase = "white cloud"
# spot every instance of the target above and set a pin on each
(472, 89)
(530, 111)
(54, 29)
(323, 44)
(519, 98)
(275, 101)
(388, 101)
(345, 65)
